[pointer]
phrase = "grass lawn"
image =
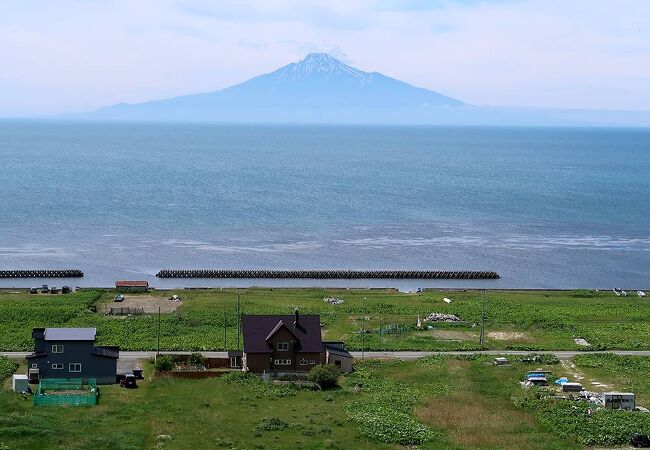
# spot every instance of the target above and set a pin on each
(452, 403)
(526, 320)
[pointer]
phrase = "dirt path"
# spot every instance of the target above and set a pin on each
(573, 373)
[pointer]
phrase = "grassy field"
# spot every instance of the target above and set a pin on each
(526, 320)
(433, 403)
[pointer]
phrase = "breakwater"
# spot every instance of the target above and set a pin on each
(41, 273)
(332, 274)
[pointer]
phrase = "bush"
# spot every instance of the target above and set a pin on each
(7, 367)
(585, 293)
(324, 375)
(271, 424)
(164, 363)
(196, 359)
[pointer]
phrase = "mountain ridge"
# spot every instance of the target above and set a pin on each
(321, 89)
(317, 81)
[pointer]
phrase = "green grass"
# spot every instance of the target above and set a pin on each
(524, 320)
(436, 402)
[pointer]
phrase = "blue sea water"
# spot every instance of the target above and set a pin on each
(545, 207)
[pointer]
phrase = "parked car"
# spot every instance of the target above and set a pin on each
(119, 298)
(45, 289)
(66, 290)
(639, 440)
(54, 290)
(33, 290)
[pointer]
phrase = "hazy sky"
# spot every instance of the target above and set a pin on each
(65, 56)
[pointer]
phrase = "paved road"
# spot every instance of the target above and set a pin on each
(562, 354)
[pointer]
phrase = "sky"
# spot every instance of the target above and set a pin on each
(74, 56)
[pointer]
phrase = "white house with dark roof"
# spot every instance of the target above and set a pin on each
(71, 353)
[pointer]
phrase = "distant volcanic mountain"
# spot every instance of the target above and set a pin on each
(322, 89)
(319, 82)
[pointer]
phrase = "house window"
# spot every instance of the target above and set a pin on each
(312, 361)
(57, 349)
(57, 366)
(304, 362)
(235, 361)
(74, 367)
(34, 366)
(282, 346)
(282, 362)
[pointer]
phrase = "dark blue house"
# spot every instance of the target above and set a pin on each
(71, 353)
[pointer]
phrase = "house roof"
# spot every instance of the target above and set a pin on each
(137, 283)
(70, 334)
(277, 328)
(110, 352)
(341, 353)
(257, 329)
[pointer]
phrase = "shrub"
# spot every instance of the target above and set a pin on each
(271, 424)
(585, 293)
(164, 363)
(325, 375)
(196, 359)
(7, 367)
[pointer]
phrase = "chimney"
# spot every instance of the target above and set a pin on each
(297, 317)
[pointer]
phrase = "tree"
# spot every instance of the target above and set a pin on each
(324, 375)
(164, 363)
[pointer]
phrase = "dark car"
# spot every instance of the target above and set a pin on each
(33, 290)
(640, 440)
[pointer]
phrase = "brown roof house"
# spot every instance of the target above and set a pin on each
(131, 286)
(282, 343)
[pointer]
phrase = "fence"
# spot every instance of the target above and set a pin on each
(52, 392)
(210, 363)
(123, 311)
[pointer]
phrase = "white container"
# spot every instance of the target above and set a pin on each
(20, 383)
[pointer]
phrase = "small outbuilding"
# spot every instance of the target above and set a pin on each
(19, 383)
(132, 286)
(336, 354)
(619, 400)
(571, 387)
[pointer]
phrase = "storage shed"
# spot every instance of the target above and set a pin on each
(619, 400)
(20, 383)
(571, 387)
(337, 355)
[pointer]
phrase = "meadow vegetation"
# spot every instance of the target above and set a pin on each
(439, 402)
(518, 320)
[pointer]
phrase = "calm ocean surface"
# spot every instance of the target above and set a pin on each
(556, 208)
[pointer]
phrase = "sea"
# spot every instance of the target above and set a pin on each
(556, 208)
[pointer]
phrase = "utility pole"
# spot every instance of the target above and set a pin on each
(225, 343)
(158, 353)
(363, 329)
(238, 321)
(483, 321)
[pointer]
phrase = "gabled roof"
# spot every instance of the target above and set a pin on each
(70, 334)
(257, 329)
(277, 328)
